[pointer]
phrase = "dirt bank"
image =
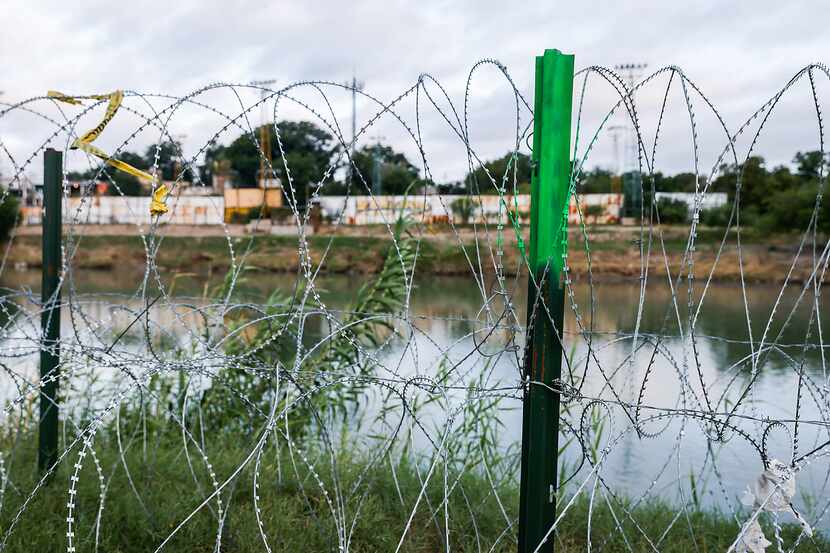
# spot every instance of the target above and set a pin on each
(615, 252)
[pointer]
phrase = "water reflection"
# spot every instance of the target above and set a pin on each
(450, 320)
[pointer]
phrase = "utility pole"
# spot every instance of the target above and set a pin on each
(630, 177)
(376, 177)
(615, 131)
(177, 170)
(355, 86)
(377, 165)
(631, 74)
(616, 177)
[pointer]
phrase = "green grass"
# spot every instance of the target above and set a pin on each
(295, 512)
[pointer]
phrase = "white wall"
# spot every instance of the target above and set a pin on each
(363, 210)
(706, 201)
(355, 210)
(109, 210)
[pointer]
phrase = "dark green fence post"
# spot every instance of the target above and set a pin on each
(548, 246)
(50, 321)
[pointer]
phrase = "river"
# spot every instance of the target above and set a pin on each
(449, 315)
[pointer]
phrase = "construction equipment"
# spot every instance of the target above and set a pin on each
(264, 136)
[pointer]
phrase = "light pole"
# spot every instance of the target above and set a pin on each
(377, 165)
(355, 86)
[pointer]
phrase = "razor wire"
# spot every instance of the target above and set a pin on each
(300, 380)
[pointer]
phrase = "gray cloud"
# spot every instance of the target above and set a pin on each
(739, 54)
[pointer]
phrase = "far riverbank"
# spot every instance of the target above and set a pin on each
(615, 252)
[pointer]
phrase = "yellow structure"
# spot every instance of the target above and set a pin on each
(243, 202)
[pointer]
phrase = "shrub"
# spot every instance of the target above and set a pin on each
(791, 210)
(9, 211)
(591, 212)
(463, 208)
(716, 216)
(240, 217)
(282, 215)
(672, 212)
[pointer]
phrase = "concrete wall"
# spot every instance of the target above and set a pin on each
(611, 205)
(368, 210)
(108, 210)
(363, 210)
(354, 210)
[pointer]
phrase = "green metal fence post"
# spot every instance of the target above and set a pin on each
(50, 321)
(548, 245)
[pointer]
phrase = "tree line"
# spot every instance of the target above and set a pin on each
(311, 154)
(770, 197)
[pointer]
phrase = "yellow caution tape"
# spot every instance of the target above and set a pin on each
(74, 99)
(63, 97)
(114, 103)
(84, 143)
(117, 163)
(158, 205)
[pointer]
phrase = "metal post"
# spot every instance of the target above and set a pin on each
(51, 316)
(548, 246)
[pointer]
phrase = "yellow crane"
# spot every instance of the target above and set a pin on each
(264, 134)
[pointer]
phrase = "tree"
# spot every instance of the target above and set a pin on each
(118, 181)
(124, 184)
(127, 184)
(214, 163)
(170, 162)
(809, 164)
(672, 211)
(593, 211)
(509, 166)
(463, 208)
(681, 182)
(776, 200)
(396, 172)
(596, 181)
(755, 185)
(9, 211)
(716, 216)
(793, 196)
(451, 188)
(308, 152)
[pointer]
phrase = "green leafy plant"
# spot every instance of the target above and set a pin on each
(463, 208)
(716, 216)
(672, 212)
(592, 212)
(9, 214)
(270, 337)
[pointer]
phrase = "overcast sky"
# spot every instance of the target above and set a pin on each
(738, 53)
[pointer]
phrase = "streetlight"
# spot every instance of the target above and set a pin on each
(355, 86)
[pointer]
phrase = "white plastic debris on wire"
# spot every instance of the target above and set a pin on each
(773, 492)
(753, 540)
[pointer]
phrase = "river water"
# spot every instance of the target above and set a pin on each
(450, 319)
